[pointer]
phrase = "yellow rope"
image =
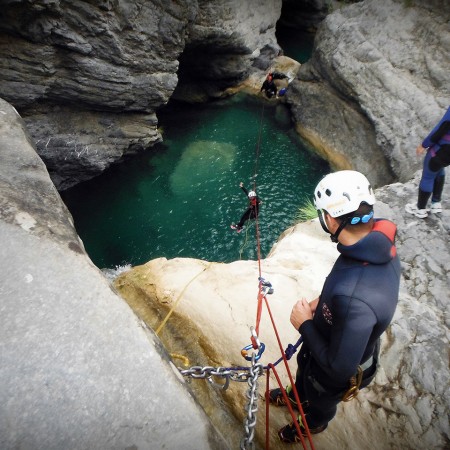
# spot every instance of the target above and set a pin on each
(244, 245)
(178, 300)
(185, 359)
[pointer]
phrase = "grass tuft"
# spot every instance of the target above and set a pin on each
(306, 212)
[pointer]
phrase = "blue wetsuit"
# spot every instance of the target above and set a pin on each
(356, 305)
(437, 158)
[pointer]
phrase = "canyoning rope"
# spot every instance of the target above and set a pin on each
(180, 296)
(264, 288)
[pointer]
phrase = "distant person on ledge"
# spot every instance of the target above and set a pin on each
(437, 146)
(269, 86)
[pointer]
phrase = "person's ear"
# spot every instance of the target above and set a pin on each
(331, 222)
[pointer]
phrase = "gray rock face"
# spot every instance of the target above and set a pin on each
(305, 15)
(88, 77)
(379, 73)
(78, 369)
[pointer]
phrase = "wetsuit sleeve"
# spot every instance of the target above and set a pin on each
(443, 129)
(245, 190)
(438, 131)
(340, 355)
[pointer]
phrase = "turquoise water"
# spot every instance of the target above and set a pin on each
(296, 44)
(179, 198)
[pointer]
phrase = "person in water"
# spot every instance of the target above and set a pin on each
(341, 328)
(437, 147)
(251, 212)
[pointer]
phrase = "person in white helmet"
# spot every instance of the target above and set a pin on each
(341, 329)
(251, 212)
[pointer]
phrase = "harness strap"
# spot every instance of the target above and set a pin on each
(358, 377)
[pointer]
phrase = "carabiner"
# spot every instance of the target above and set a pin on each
(244, 352)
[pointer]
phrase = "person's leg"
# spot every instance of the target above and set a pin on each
(438, 188)
(319, 407)
(244, 218)
(425, 190)
(436, 205)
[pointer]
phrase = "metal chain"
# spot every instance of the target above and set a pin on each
(256, 370)
(208, 372)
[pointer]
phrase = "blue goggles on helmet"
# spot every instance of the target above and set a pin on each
(363, 219)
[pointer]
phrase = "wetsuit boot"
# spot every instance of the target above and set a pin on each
(419, 210)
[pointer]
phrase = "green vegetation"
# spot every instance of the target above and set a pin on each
(306, 212)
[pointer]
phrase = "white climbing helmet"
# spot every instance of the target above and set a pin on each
(342, 192)
(251, 194)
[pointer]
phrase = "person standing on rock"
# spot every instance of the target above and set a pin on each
(437, 146)
(251, 212)
(341, 329)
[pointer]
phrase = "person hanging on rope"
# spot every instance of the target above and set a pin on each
(251, 212)
(341, 329)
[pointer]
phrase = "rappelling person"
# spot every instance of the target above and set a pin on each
(252, 210)
(268, 86)
(341, 328)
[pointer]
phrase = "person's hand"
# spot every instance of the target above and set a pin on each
(241, 184)
(420, 150)
(300, 313)
(313, 305)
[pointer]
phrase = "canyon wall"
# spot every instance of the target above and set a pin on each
(376, 84)
(88, 77)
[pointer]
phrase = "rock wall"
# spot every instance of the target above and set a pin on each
(87, 77)
(376, 83)
(79, 370)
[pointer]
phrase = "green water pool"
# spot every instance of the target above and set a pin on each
(179, 198)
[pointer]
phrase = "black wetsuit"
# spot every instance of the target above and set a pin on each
(252, 210)
(269, 88)
(356, 305)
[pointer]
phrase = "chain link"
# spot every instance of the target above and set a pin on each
(256, 370)
(240, 374)
(208, 372)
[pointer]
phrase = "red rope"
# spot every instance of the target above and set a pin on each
(291, 380)
(260, 298)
